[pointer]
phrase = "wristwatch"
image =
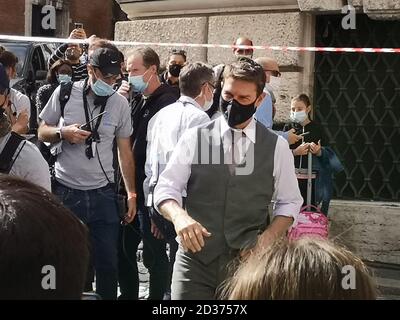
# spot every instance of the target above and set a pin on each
(59, 134)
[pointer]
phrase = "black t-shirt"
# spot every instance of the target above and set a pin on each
(315, 134)
(162, 97)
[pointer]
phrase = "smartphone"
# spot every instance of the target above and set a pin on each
(86, 125)
(78, 25)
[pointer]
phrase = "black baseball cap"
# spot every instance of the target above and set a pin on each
(4, 81)
(107, 60)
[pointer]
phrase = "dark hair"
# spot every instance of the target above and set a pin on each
(101, 43)
(308, 268)
(36, 231)
(246, 69)
(149, 56)
(178, 52)
(52, 73)
(303, 98)
(8, 59)
(193, 76)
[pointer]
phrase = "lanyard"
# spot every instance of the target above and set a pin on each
(86, 108)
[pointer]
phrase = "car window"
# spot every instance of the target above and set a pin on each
(38, 61)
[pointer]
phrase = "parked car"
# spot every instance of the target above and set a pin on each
(31, 70)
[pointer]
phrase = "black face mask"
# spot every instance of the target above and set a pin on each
(236, 113)
(174, 70)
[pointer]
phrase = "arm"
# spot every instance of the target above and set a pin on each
(275, 230)
(72, 133)
(190, 231)
(58, 54)
(48, 128)
(168, 194)
(287, 196)
(127, 164)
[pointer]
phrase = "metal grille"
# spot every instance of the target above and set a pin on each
(357, 101)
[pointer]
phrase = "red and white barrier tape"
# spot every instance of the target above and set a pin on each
(205, 45)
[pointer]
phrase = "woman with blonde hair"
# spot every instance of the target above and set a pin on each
(309, 268)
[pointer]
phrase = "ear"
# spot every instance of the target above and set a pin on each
(153, 68)
(260, 99)
(91, 71)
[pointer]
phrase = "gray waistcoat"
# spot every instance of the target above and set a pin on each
(232, 207)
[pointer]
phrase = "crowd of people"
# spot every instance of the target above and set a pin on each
(186, 159)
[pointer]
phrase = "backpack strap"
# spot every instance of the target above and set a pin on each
(6, 156)
(65, 94)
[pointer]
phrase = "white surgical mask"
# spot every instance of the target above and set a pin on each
(298, 117)
(207, 105)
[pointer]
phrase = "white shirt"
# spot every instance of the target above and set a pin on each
(29, 164)
(173, 180)
(19, 102)
(163, 133)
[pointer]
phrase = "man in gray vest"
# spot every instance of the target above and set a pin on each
(232, 168)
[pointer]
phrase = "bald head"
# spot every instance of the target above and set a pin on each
(243, 52)
(270, 67)
(268, 63)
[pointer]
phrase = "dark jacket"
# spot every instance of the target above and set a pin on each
(144, 109)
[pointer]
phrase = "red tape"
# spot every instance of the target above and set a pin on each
(206, 45)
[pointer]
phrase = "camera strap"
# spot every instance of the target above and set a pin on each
(94, 137)
(86, 108)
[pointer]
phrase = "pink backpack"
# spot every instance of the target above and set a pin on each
(310, 223)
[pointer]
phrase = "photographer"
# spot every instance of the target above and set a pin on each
(72, 53)
(84, 169)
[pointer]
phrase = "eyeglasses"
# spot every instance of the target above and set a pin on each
(273, 72)
(210, 84)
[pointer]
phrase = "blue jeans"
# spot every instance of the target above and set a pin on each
(98, 210)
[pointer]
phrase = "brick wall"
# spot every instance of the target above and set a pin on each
(12, 17)
(98, 16)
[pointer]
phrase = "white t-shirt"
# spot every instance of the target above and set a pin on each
(20, 102)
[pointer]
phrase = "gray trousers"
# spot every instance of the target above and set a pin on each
(194, 280)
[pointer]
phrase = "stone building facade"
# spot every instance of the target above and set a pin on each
(367, 225)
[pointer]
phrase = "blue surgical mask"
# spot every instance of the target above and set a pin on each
(299, 116)
(138, 83)
(64, 78)
(102, 89)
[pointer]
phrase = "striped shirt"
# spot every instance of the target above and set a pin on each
(79, 70)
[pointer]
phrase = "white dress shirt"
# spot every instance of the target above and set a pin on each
(163, 133)
(173, 180)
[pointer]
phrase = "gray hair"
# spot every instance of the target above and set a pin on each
(193, 76)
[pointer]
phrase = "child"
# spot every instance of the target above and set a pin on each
(308, 268)
(311, 142)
